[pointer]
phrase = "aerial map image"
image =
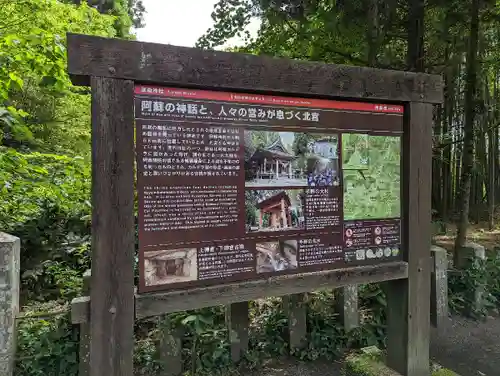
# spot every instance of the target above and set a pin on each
(371, 168)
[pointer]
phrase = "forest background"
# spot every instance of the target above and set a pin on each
(45, 130)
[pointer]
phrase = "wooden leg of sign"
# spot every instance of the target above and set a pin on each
(347, 306)
(408, 301)
(170, 351)
(112, 281)
(295, 307)
(237, 324)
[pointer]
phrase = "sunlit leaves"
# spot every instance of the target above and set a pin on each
(33, 61)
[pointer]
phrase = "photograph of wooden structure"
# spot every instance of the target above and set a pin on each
(170, 266)
(276, 256)
(281, 211)
(274, 166)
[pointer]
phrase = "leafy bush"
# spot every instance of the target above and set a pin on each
(480, 274)
(45, 202)
(46, 346)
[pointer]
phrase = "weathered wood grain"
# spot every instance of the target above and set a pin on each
(409, 300)
(170, 350)
(181, 66)
(154, 304)
(296, 309)
(237, 321)
(347, 306)
(112, 281)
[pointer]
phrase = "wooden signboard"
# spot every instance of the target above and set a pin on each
(237, 187)
(256, 177)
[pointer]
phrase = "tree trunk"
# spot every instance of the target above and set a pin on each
(415, 56)
(468, 149)
(458, 155)
(491, 180)
(437, 163)
(447, 125)
(492, 155)
(480, 172)
(372, 35)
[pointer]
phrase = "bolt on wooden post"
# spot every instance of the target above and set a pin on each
(271, 177)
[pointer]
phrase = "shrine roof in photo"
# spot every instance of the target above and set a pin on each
(274, 200)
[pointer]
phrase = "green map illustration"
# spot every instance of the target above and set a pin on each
(371, 169)
(355, 151)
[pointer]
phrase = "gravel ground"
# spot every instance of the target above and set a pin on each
(468, 347)
(291, 367)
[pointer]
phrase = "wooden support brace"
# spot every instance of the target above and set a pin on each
(170, 350)
(113, 231)
(154, 304)
(346, 299)
(237, 321)
(408, 300)
(296, 309)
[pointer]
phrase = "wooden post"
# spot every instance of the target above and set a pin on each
(237, 324)
(346, 299)
(408, 300)
(112, 282)
(295, 307)
(439, 286)
(84, 336)
(170, 350)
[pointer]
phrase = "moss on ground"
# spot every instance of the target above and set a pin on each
(371, 362)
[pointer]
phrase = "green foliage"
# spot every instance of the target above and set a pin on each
(373, 192)
(479, 275)
(325, 30)
(36, 96)
(46, 343)
(46, 346)
(127, 13)
(45, 202)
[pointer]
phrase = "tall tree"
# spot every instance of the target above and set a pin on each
(415, 56)
(469, 136)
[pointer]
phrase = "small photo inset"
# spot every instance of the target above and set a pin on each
(274, 210)
(290, 159)
(276, 256)
(271, 160)
(170, 266)
(322, 163)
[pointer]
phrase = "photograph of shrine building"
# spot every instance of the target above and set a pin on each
(289, 159)
(274, 210)
(170, 266)
(276, 256)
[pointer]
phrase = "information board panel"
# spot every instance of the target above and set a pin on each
(235, 187)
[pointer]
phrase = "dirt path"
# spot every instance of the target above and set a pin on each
(468, 347)
(292, 367)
